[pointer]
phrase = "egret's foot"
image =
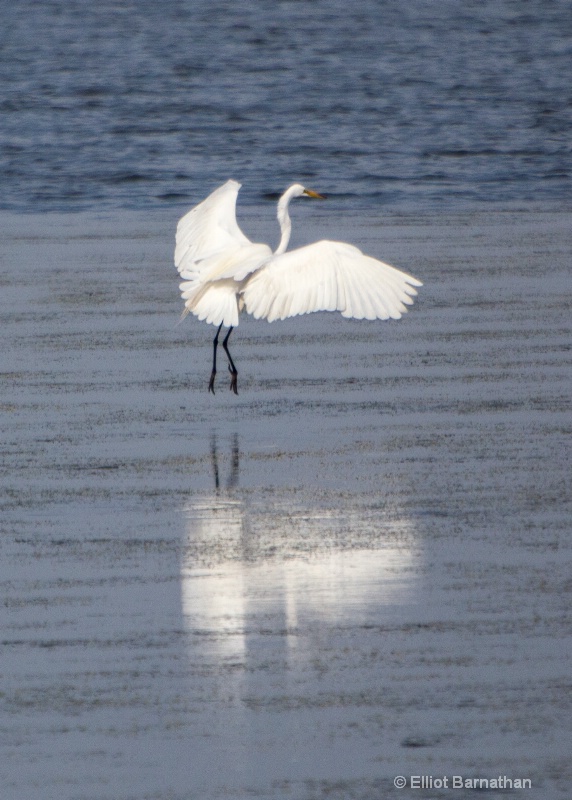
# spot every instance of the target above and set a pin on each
(233, 380)
(212, 380)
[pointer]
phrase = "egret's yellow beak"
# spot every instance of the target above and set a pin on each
(310, 193)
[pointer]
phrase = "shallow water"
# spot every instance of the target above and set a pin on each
(356, 569)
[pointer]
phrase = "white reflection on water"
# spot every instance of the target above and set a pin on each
(289, 561)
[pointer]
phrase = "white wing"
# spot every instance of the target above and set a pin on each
(209, 243)
(213, 255)
(209, 227)
(328, 276)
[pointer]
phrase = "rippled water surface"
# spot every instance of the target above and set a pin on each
(412, 104)
(359, 568)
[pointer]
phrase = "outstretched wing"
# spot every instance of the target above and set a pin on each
(209, 243)
(213, 255)
(328, 276)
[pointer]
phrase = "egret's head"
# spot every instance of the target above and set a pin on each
(297, 190)
(310, 193)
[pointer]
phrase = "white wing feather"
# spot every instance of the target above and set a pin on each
(213, 256)
(208, 228)
(328, 276)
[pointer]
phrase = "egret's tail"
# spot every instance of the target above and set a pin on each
(215, 303)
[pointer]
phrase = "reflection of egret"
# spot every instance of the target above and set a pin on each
(224, 271)
(232, 480)
(246, 559)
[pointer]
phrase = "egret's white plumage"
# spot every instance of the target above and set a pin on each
(224, 272)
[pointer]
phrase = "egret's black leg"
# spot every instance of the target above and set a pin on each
(231, 368)
(213, 373)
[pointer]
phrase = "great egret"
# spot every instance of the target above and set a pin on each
(224, 272)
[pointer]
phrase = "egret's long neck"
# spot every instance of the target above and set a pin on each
(284, 221)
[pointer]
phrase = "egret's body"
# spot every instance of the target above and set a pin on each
(224, 272)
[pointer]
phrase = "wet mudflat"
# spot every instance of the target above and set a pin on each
(357, 569)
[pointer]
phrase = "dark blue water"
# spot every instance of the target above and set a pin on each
(421, 104)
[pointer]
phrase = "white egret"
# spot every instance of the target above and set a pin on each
(224, 272)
